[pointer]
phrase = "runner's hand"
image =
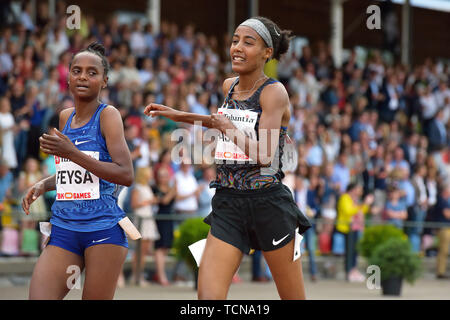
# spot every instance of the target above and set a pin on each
(154, 110)
(221, 122)
(57, 144)
(32, 194)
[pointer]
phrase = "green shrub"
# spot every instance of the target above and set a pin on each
(396, 258)
(376, 235)
(190, 231)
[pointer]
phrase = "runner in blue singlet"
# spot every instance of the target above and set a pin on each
(92, 163)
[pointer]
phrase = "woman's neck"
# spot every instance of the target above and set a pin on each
(85, 109)
(248, 81)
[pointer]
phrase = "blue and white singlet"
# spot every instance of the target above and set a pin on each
(84, 202)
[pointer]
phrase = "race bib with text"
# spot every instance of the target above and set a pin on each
(73, 182)
(243, 120)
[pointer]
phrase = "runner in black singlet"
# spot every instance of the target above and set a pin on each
(252, 209)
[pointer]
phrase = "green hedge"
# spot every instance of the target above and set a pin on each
(190, 231)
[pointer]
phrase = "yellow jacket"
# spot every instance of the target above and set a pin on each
(346, 209)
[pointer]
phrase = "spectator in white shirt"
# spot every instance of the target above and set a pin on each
(187, 189)
(25, 16)
(7, 124)
(146, 72)
(442, 95)
(428, 103)
(57, 43)
(298, 86)
(287, 66)
(137, 40)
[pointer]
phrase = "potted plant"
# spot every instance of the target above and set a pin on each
(190, 231)
(397, 262)
(375, 235)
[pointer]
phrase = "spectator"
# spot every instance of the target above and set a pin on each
(443, 215)
(395, 209)
(129, 81)
(200, 105)
(297, 85)
(137, 41)
(206, 193)
(420, 209)
(341, 173)
(165, 162)
(57, 43)
(312, 212)
(327, 209)
(391, 102)
(350, 220)
(428, 104)
(437, 133)
(186, 203)
(188, 189)
(7, 127)
(287, 66)
(185, 43)
(25, 16)
(9, 235)
(146, 71)
(142, 200)
(399, 162)
(410, 148)
(165, 193)
(38, 211)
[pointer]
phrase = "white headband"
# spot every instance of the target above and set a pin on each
(260, 29)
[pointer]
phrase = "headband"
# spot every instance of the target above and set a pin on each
(260, 29)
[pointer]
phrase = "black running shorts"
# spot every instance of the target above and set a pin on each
(262, 219)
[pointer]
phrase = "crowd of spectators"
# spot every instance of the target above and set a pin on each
(372, 138)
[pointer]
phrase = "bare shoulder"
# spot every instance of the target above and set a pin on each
(227, 85)
(274, 98)
(109, 113)
(110, 118)
(274, 93)
(63, 116)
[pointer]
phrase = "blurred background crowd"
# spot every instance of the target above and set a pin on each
(371, 136)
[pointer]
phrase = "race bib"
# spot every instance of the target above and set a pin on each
(243, 120)
(73, 182)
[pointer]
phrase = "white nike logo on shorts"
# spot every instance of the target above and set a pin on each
(101, 240)
(80, 142)
(275, 243)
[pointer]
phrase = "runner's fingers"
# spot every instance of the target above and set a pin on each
(47, 151)
(48, 137)
(48, 145)
(27, 201)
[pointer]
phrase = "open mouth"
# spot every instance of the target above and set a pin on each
(238, 59)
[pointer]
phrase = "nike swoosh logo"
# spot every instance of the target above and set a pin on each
(101, 240)
(80, 142)
(275, 243)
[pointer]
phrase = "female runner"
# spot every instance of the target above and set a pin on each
(92, 161)
(251, 208)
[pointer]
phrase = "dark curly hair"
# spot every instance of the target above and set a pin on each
(280, 38)
(99, 50)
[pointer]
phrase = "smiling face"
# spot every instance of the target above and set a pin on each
(248, 50)
(87, 77)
